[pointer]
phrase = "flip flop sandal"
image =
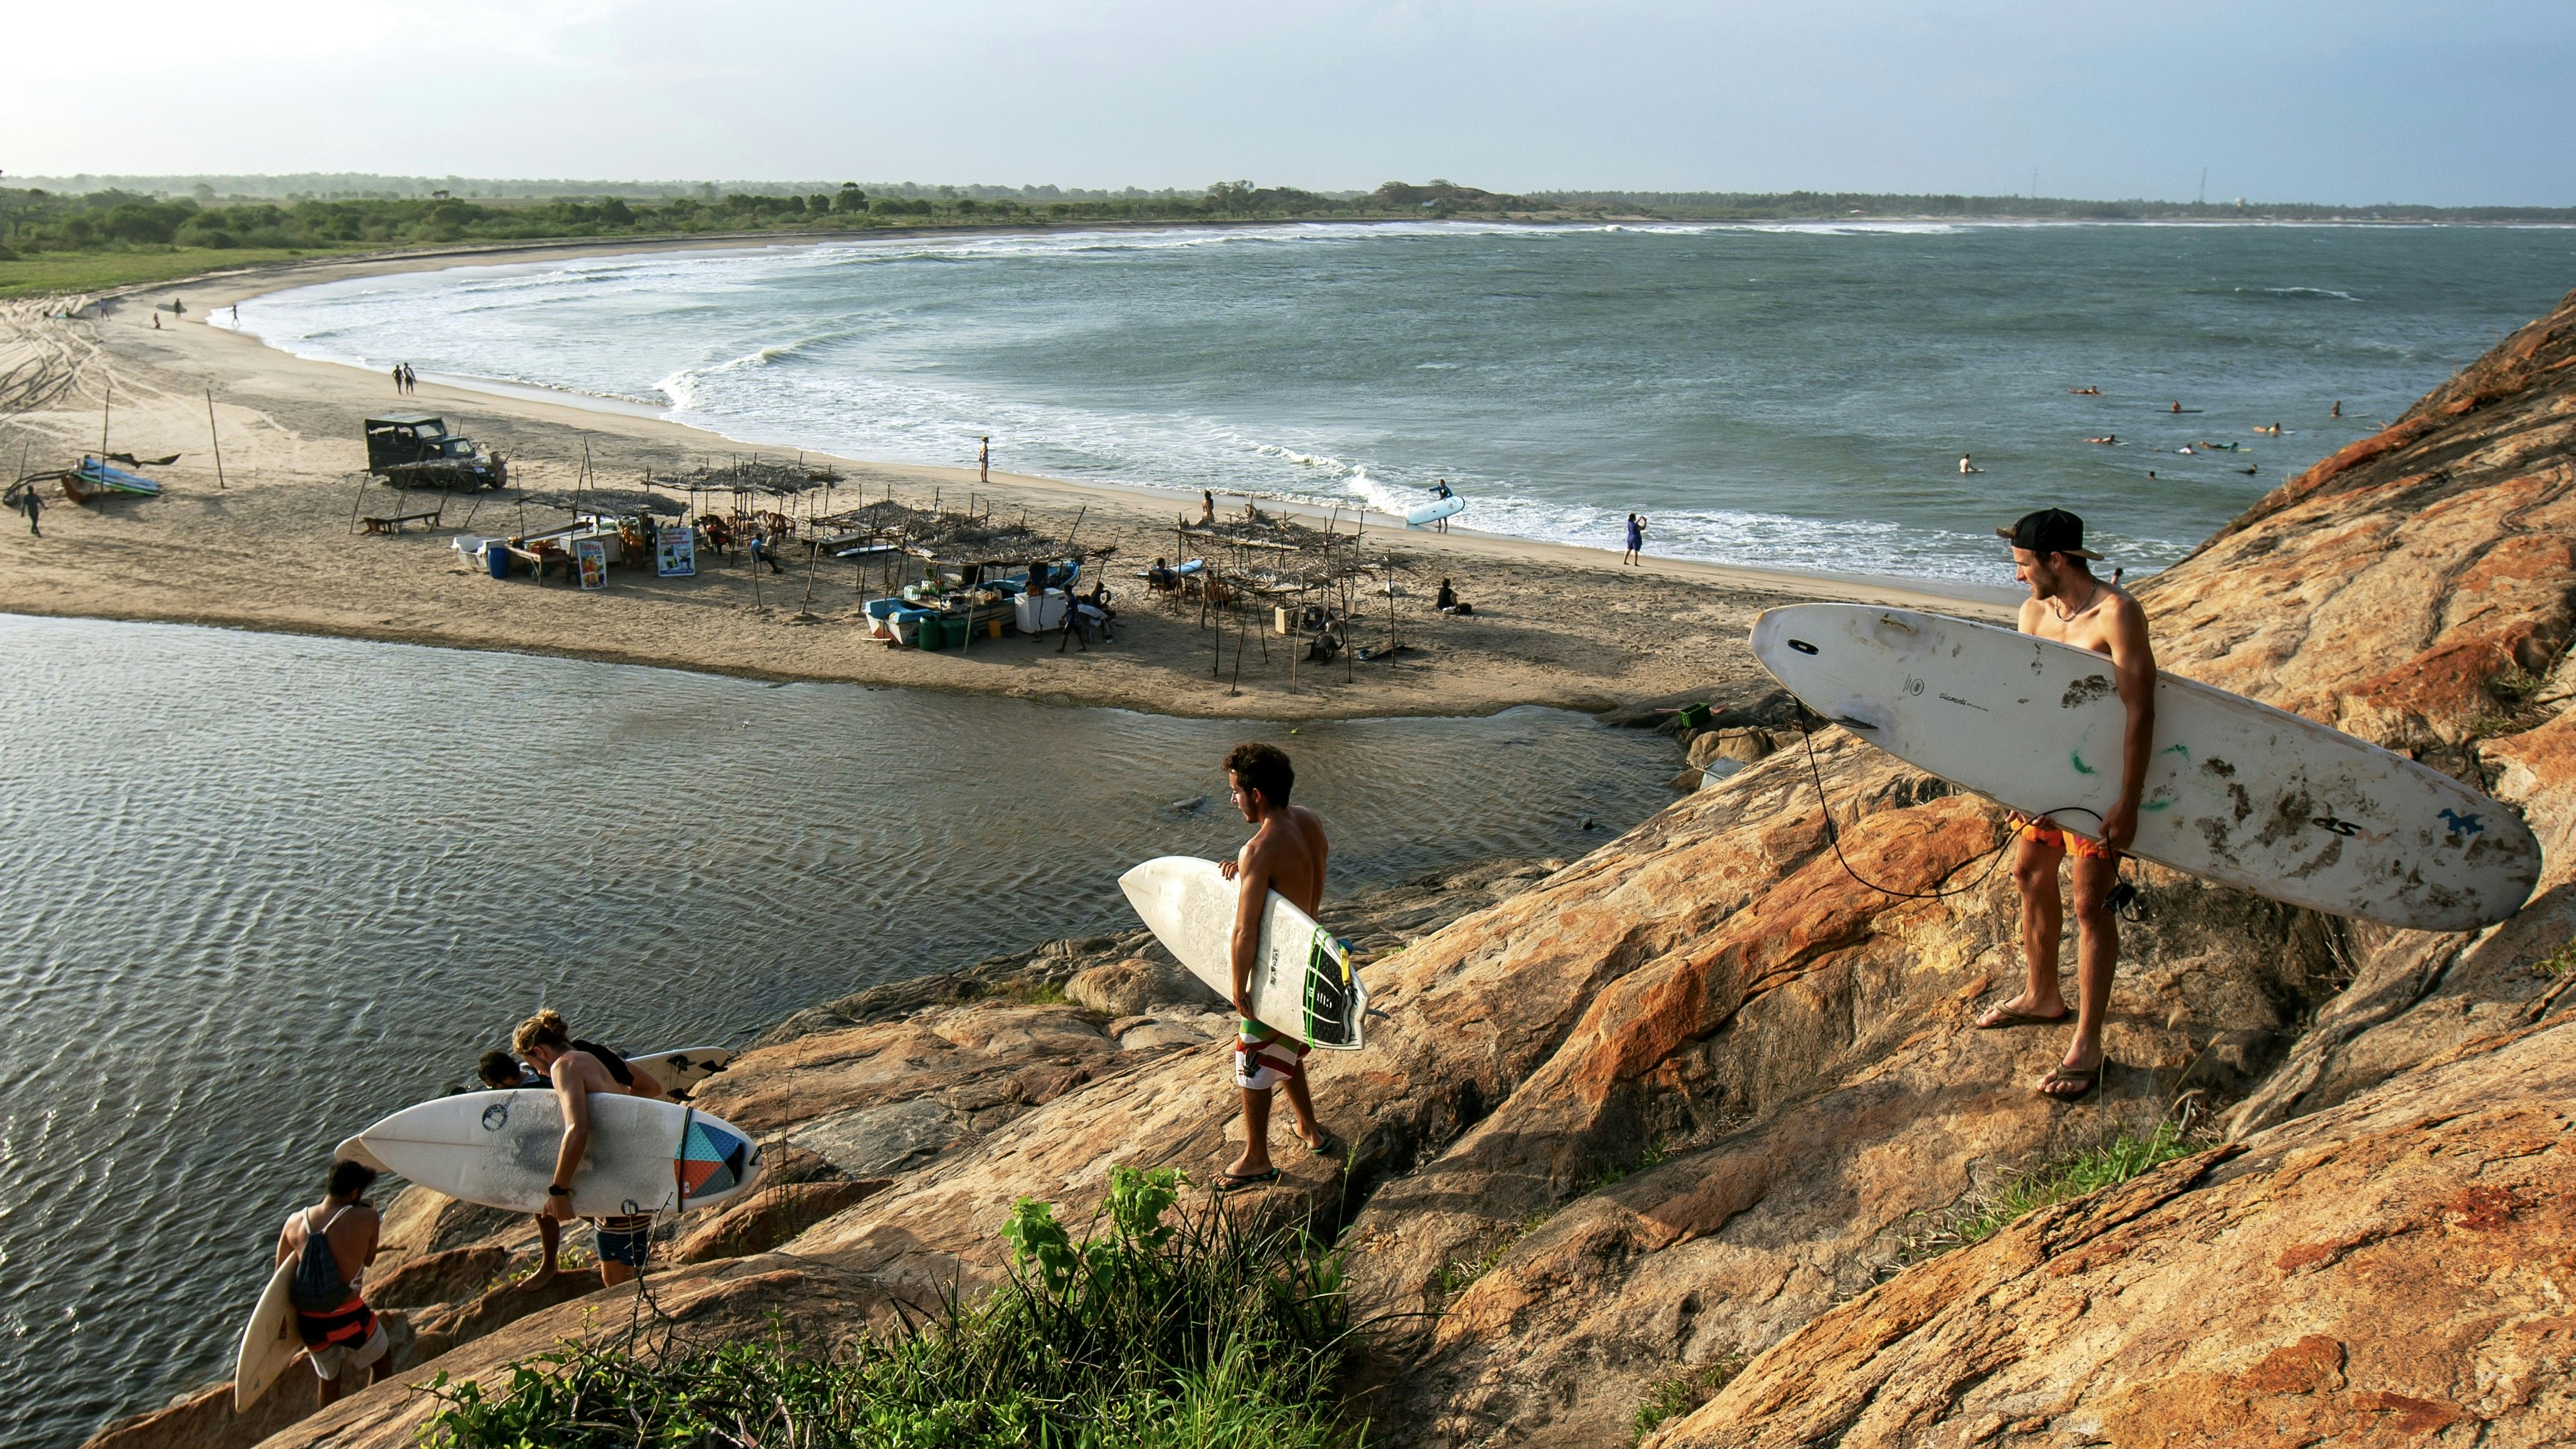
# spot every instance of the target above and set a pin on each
(2072, 1076)
(1323, 1148)
(1227, 1182)
(2004, 1019)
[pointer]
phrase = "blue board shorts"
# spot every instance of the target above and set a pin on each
(626, 1240)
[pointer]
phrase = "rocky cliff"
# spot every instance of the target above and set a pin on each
(1669, 1124)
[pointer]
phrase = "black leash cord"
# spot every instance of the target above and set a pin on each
(1834, 834)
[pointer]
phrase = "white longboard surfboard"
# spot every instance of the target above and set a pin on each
(498, 1149)
(269, 1343)
(1302, 982)
(2236, 791)
(1436, 510)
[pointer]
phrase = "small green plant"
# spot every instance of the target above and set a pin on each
(1042, 993)
(2557, 963)
(1454, 1276)
(1150, 1328)
(1673, 1397)
(1989, 1210)
(1652, 1157)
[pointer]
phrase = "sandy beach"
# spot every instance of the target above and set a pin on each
(271, 546)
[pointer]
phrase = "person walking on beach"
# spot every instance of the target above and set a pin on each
(578, 1069)
(398, 383)
(984, 461)
(1636, 542)
(1207, 508)
(1286, 854)
(411, 379)
(331, 1243)
(2071, 606)
(35, 510)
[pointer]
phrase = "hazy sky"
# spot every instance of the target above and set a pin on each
(2326, 100)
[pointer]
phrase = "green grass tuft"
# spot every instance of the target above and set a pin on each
(2557, 963)
(1673, 1397)
(1987, 1211)
(1197, 1334)
(1454, 1277)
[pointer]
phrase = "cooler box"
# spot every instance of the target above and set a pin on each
(1037, 613)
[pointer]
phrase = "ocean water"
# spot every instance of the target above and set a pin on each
(1780, 396)
(262, 889)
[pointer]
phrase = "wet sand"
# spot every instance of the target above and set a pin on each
(272, 547)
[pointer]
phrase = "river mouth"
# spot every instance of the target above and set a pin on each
(263, 888)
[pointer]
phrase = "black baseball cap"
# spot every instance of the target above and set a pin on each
(2050, 530)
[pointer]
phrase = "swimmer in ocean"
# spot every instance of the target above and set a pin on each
(1968, 467)
(2112, 438)
(2085, 391)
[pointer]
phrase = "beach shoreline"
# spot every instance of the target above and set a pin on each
(271, 546)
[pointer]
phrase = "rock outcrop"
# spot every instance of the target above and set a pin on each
(1679, 1108)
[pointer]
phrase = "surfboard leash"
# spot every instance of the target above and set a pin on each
(1834, 834)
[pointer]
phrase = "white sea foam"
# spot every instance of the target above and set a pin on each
(1554, 375)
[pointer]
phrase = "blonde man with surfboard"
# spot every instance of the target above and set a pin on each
(2071, 606)
(1285, 854)
(577, 1069)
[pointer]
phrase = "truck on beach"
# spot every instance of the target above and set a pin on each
(415, 450)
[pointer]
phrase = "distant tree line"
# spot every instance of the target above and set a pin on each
(34, 220)
(37, 220)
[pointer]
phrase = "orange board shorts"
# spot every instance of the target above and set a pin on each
(2081, 847)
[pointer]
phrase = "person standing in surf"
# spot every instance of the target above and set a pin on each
(1285, 854)
(331, 1243)
(2071, 606)
(1636, 541)
(577, 1069)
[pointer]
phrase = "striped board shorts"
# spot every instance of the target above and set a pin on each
(1263, 1058)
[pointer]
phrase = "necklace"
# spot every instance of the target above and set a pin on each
(2090, 598)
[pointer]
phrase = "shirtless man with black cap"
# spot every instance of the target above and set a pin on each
(2071, 606)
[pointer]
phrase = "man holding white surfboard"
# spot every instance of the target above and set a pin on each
(1285, 854)
(2069, 605)
(577, 1069)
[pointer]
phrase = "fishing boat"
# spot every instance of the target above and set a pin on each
(95, 479)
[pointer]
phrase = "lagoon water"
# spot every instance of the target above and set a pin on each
(1786, 396)
(261, 889)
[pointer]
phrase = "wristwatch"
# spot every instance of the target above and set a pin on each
(557, 1190)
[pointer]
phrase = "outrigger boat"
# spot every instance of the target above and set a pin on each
(94, 478)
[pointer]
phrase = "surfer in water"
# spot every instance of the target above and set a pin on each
(331, 1243)
(577, 1069)
(2071, 606)
(1285, 854)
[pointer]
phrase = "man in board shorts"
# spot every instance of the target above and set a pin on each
(331, 1243)
(2071, 606)
(1286, 854)
(578, 1069)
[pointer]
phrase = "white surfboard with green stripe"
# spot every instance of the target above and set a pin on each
(1302, 981)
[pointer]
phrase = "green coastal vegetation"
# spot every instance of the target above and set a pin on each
(1161, 1329)
(135, 230)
